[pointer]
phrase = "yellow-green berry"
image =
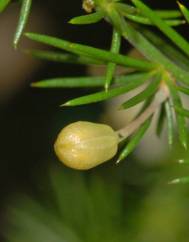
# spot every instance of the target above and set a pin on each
(84, 145)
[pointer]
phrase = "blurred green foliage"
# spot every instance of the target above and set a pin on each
(77, 207)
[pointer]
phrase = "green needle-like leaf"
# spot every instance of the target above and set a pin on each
(100, 96)
(73, 82)
(70, 82)
(91, 52)
(87, 19)
(161, 120)
(184, 11)
(63, 57)
(125, 8)
(149, 91)
(168, 49)
(170, 122)
(182, 111)
(168, 14)
(3, 4)
(135, 139)
(111, 67)
(181, 122)
(146, 104)
(150, 51)
(165, 28)
(24, 14)
(146, 21)
(185, 90)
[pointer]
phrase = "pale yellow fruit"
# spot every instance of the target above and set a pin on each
(84, 145)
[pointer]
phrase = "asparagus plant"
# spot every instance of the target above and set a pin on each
(163, 68)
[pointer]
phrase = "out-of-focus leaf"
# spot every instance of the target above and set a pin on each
(182, 111)
(75, 209)
(66, 194)
(33, 223)
(63, 57)
(185, 90)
